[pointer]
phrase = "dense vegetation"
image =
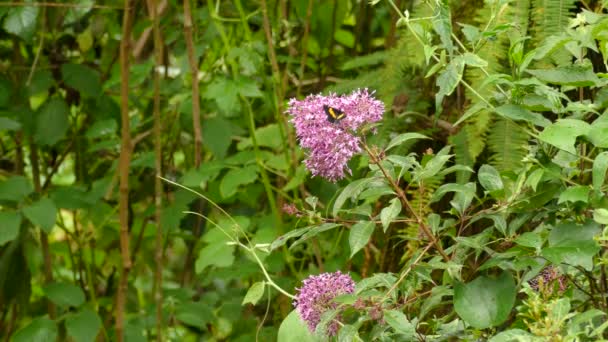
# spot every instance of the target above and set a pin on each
(301, 170)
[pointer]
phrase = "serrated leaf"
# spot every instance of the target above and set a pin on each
(359, 236)
(217, 254)
(42, 214)
(237, 177)
(255, 292)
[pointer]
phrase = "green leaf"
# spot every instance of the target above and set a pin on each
(574, 194)
(82, 78)
(402, 138)
(359, 236)
(442, 24)
(314, 231)
(42, 214)
(577, 75)
(83, 326)
(196, 314)
(225, 93)
(15, 189)
(255, 292)
(400, 323)
(217, 254)
(473, 60)
(573, 244)
(7, 124)
(600, 215)
(352, 190)
(515, 335)
(433, 166)
(388, 214)
(237, 177)
(52, 122)
(448, 80)
(519, 113)
(267, 136)
(10, 222)
(21, 21)
(563, 133)
(217, 136)
(40, 329)
(293, 329)
(529, 239)
(64, 294)
(248, 87)
(486, 301)
(490, 178)
(598, 134)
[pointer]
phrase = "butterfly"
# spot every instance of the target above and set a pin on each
(333, 114)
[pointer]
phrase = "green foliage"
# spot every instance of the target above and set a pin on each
(477, 212)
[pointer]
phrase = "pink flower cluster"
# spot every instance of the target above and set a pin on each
(316, 295)
(332, 145)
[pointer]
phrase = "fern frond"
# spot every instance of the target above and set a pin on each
(508, 144)
(550, 17)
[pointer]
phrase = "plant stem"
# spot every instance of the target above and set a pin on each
(158, 187)
(405, 203)
(123, 166)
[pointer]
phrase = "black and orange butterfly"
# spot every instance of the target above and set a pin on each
(333, 114)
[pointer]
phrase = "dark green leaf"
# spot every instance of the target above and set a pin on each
(578, 75)
(196, 314)
(217, 136)
(42, 214)
(237, 177)
(402, 138)
(359, 235)
(82, 78)
(400, 323)
(9, 226)
(83, 326)
(52, 122)
(39, 330)
(15, 189)
(64, 294)
(519, 113)
(486, 301)
(7, 124)
(217, 254)
(388, 214)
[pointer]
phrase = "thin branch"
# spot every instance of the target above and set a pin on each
(406, 204)
(58, 4)
(196, 122)
(158, 187)
(123, 166)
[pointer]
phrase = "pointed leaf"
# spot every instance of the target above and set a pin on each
(42, 214)
(359, 235)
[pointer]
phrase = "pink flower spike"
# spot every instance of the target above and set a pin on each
(332, 144)
(316, 295)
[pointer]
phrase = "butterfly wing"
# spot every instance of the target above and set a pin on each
(333, 114)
